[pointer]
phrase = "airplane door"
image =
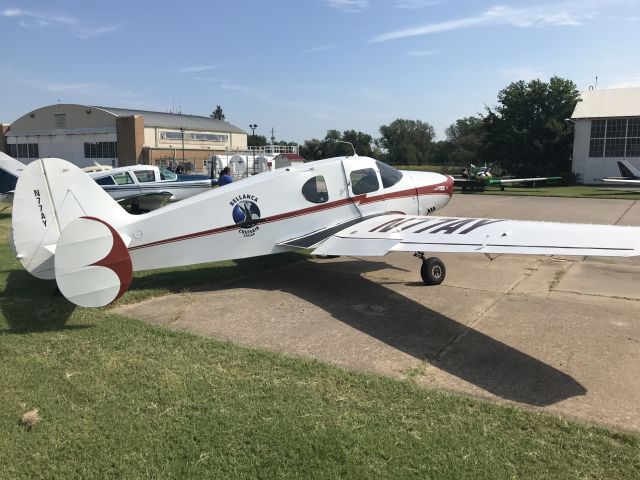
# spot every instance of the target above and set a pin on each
(365, 187)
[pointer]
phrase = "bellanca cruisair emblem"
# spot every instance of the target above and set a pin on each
(246, 213)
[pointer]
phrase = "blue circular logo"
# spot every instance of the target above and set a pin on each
(246, 213)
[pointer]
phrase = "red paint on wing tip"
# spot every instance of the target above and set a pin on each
(449, 183)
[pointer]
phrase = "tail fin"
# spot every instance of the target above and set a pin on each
(627, 170)
(50, 194)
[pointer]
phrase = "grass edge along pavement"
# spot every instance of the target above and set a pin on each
(119, 398)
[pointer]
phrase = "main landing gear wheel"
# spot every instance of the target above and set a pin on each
(432, 270)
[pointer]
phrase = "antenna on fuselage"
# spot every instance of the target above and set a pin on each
(348, 143)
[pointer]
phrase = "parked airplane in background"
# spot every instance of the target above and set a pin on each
(630, 174)
(10, 170)
(140, 188)
(479, 178)
(147, 187)
(66, 227)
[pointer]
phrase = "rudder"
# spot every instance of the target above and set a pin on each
(50, 194)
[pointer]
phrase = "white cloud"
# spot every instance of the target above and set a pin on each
(321, 48)
(85, 33)
(196, 69)
(352, 6)
(561, 14)
(31, 19)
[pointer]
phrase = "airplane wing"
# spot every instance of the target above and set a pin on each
(394, 232)
(146, 201)
(621, 180)
(510, 181)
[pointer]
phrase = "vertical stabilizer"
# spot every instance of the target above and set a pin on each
(49, 195)
(627, 170)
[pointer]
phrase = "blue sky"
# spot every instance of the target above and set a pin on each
(306, 66)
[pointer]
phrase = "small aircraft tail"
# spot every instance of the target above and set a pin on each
(59, 211)
(627, 170)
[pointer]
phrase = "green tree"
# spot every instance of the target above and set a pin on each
(407, 142)
(441, 152)
(526, 133)
(465, 138)
(218, 114)
(256, 140)
(331, 145)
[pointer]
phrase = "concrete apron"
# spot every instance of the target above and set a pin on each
(559, 334)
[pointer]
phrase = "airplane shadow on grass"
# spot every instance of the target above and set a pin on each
(412, 328)
(30, 305)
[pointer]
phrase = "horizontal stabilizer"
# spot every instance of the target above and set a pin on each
(92, 264)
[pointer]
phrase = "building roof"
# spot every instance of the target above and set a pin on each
(175, 120)
(613, 102)
(292, 156)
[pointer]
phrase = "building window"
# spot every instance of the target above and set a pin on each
(596, 143)
(60, 120)
(100, 149)
(615, 137)
(192, 136)
(24, 150)
(633, 138)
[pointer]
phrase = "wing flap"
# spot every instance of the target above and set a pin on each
(481, 235)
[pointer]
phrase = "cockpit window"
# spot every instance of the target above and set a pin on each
(364, 181)
(315, 190)
(105, 180)
(390, 176)
(122, 178)
(145, 176)
(166, 174)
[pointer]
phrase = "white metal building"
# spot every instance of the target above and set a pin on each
(607, 129)
(84, 134)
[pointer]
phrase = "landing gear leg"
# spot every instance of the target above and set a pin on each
(432, 270)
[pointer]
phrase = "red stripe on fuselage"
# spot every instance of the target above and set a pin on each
(427, 190)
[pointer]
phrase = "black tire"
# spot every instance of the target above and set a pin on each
(432, 271)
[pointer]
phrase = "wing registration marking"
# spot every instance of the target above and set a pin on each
(460, 226)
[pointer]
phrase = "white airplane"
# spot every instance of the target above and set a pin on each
(66, 227)
(10, 170)
(147, 187)
(630, 174)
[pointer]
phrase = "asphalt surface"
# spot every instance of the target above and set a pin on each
(561, 334)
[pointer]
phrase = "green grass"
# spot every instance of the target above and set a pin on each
(122, 399)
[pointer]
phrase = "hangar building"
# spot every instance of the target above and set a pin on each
(84, 134)
(607, 129)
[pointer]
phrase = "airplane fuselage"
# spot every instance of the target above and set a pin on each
(275, 211)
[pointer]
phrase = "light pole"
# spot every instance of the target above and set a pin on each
(253, 127)
(182, 132)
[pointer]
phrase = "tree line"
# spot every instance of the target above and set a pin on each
(528, 133)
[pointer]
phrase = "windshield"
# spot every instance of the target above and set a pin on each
(166, 174)
(390, 176)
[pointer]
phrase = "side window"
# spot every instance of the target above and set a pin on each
(390, 176)
(315, 190)
(364, 181)
(122, 178)
(105, 181)
(145, 176)
(166, 174)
